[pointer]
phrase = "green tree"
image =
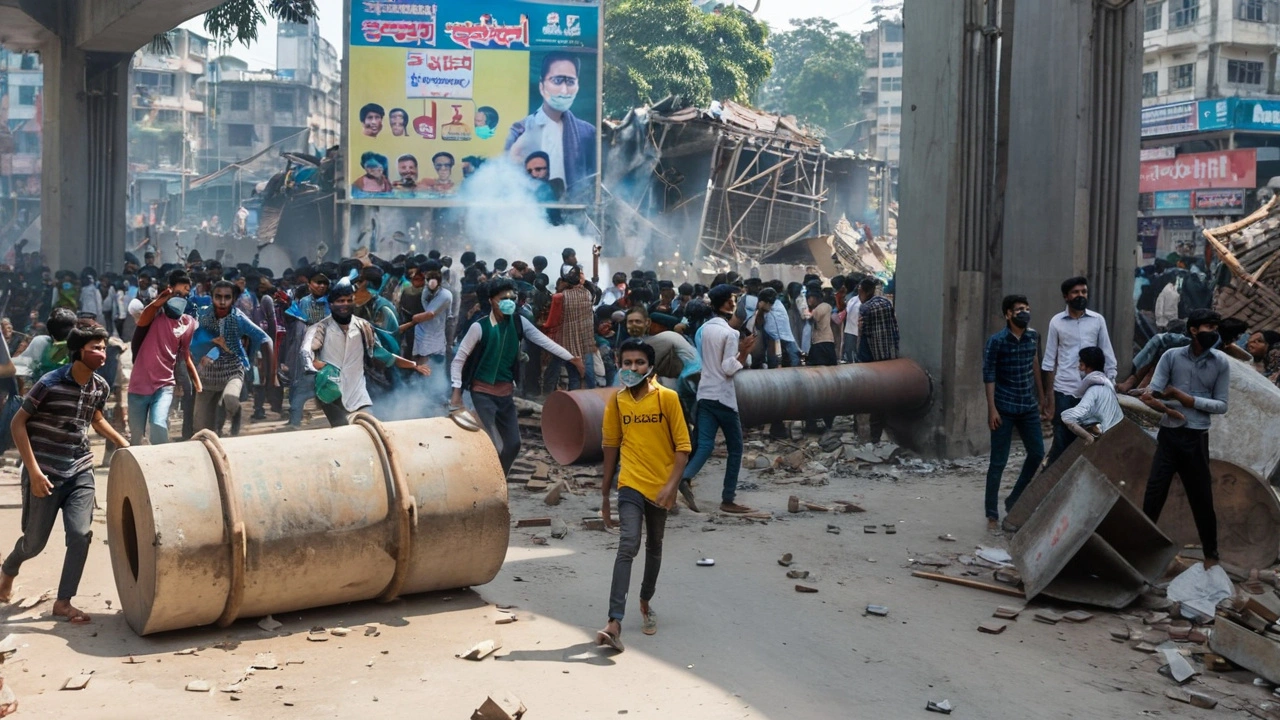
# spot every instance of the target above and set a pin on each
(656, 48)
(817, 72)
(239, 21)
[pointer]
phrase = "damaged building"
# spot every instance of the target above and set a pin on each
(734, 187)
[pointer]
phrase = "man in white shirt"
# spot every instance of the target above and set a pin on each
(1167, 306)
(1071, 331)
(430, 345)
(724, 353)
(1098, 410)
(852, 308)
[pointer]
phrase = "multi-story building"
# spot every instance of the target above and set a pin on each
(168, 125)
(1210, 118)
(882, 90)
(21, 85)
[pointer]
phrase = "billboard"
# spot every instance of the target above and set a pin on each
(1171, 119)
(437, 89)
(1228, 169)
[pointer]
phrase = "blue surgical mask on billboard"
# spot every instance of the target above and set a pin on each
(484, 132)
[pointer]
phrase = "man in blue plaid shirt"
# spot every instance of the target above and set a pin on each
(1014, 394)
(877, 336)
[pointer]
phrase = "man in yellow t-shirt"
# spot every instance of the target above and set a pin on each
(645, 425)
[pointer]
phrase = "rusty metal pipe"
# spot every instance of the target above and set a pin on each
(210, 531)
(571, 421)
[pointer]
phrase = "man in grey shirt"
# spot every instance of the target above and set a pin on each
(1190, 385)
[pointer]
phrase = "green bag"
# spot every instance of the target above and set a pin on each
(328, 390)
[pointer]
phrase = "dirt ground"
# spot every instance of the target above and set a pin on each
(735, 640)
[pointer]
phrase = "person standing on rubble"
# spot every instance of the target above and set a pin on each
(645, 425)
(1014, 394)
(1190, 386)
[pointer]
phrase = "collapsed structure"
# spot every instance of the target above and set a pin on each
(1249, 287)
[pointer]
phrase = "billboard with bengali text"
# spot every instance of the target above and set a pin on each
(437, 89)
(1226, 169)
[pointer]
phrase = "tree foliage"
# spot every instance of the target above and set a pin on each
(239, 20)
(817, 72)
(656, 48)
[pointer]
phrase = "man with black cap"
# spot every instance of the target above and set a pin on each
(1189, 387)
(306, 311)
(337, 351)
(487, 365)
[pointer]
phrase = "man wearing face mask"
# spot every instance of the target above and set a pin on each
(429, 341)
(1071, 331)
(223, 359)
(570, 143)
(163, 337)
(50, 432)
(1015, 393)
(306, 311)
(487, 365)
(1189, 387)
(348, 345)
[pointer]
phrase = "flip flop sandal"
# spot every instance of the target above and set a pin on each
(77, 618)
(605, 639)
(649, 626)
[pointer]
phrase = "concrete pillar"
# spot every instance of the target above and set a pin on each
(85, 163)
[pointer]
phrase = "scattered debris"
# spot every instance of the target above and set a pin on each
(186, 651)
(968, 582)
(318, 634)
(505, 620)
(559, 529)
(833, 529)
(849, 507)
(877, 610)
(270, 624)
(131, 660)
(890, 529)
(534, 522)
(806, 589)
(797, 574)
(1008, 612)
(538, 539)
(1078, 616)
(553, 495)
(943, 707)
(77, 682)
(504, 707)
(869, 529)
(481, 650)
(785, 560)
(264, 661)
(1192, 697)
(593, 523)
(992, 627)
(198, 686)
(1198, 591)
(1252, 651)
(931, 560)
(947, 538)
(1179, 669)
(706, 562)
(1048, 616)
(999, 556)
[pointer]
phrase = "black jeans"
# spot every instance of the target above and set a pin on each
(634, 510)
(498, 414)
(821, 354)
(1062, 437)
(1186, 452)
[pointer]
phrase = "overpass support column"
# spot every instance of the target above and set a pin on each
(85, 166)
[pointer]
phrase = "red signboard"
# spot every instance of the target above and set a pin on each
(1227, 169)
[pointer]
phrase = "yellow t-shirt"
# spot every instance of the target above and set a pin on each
(649, 431)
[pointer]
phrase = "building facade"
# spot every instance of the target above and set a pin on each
(1210, 119)
(21, 89)
(882, 90)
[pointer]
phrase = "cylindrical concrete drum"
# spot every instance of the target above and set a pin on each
(211, 530)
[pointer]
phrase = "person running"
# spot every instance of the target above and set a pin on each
(51, 434)
(644, 425)
(161, 341)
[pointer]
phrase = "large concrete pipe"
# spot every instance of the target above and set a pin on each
(571, 421)
(212, 530)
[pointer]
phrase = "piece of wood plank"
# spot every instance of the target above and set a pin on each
(969, 583)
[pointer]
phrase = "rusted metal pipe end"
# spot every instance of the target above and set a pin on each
(891, 387)
(572, 423)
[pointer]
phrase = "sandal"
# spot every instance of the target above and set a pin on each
(606, 638)
(649, 625)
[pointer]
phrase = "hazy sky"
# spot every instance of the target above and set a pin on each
(851, 15)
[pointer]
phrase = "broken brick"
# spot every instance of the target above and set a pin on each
(991, 627)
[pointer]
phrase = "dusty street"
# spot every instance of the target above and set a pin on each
(735, 640)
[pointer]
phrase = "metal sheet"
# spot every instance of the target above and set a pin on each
(1097, 575)
(1061, 525)
(1246, 648)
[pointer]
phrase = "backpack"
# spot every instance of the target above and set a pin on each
(53, 357)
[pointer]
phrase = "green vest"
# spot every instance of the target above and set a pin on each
(499, 352)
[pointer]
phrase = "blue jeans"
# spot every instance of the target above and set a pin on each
(849, 349)
(301, 388)
(149, 414)
(1028, 426)
(74, 497)
(577, 381)
(1062, 437)
(635, 512)
(712, 416)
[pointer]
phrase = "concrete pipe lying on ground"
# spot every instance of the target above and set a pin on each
(571, 421)
(213, 530)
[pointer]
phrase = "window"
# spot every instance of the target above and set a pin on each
(240, 100)
(284, 100)
(156, 83)
(1182, 77)
(1183, 13)
(1252, 10)
(240, 135)
(891, 84)
(1244, 72)
(169, 117)
(893, 33)
(891, 59)
(26, 94)
(28, 61)
(1150, 84)
(1154, 13)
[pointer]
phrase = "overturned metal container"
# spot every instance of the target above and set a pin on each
(213, 530)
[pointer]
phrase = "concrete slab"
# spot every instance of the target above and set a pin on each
(1246, 648)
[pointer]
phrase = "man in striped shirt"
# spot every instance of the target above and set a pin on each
(51, 434)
